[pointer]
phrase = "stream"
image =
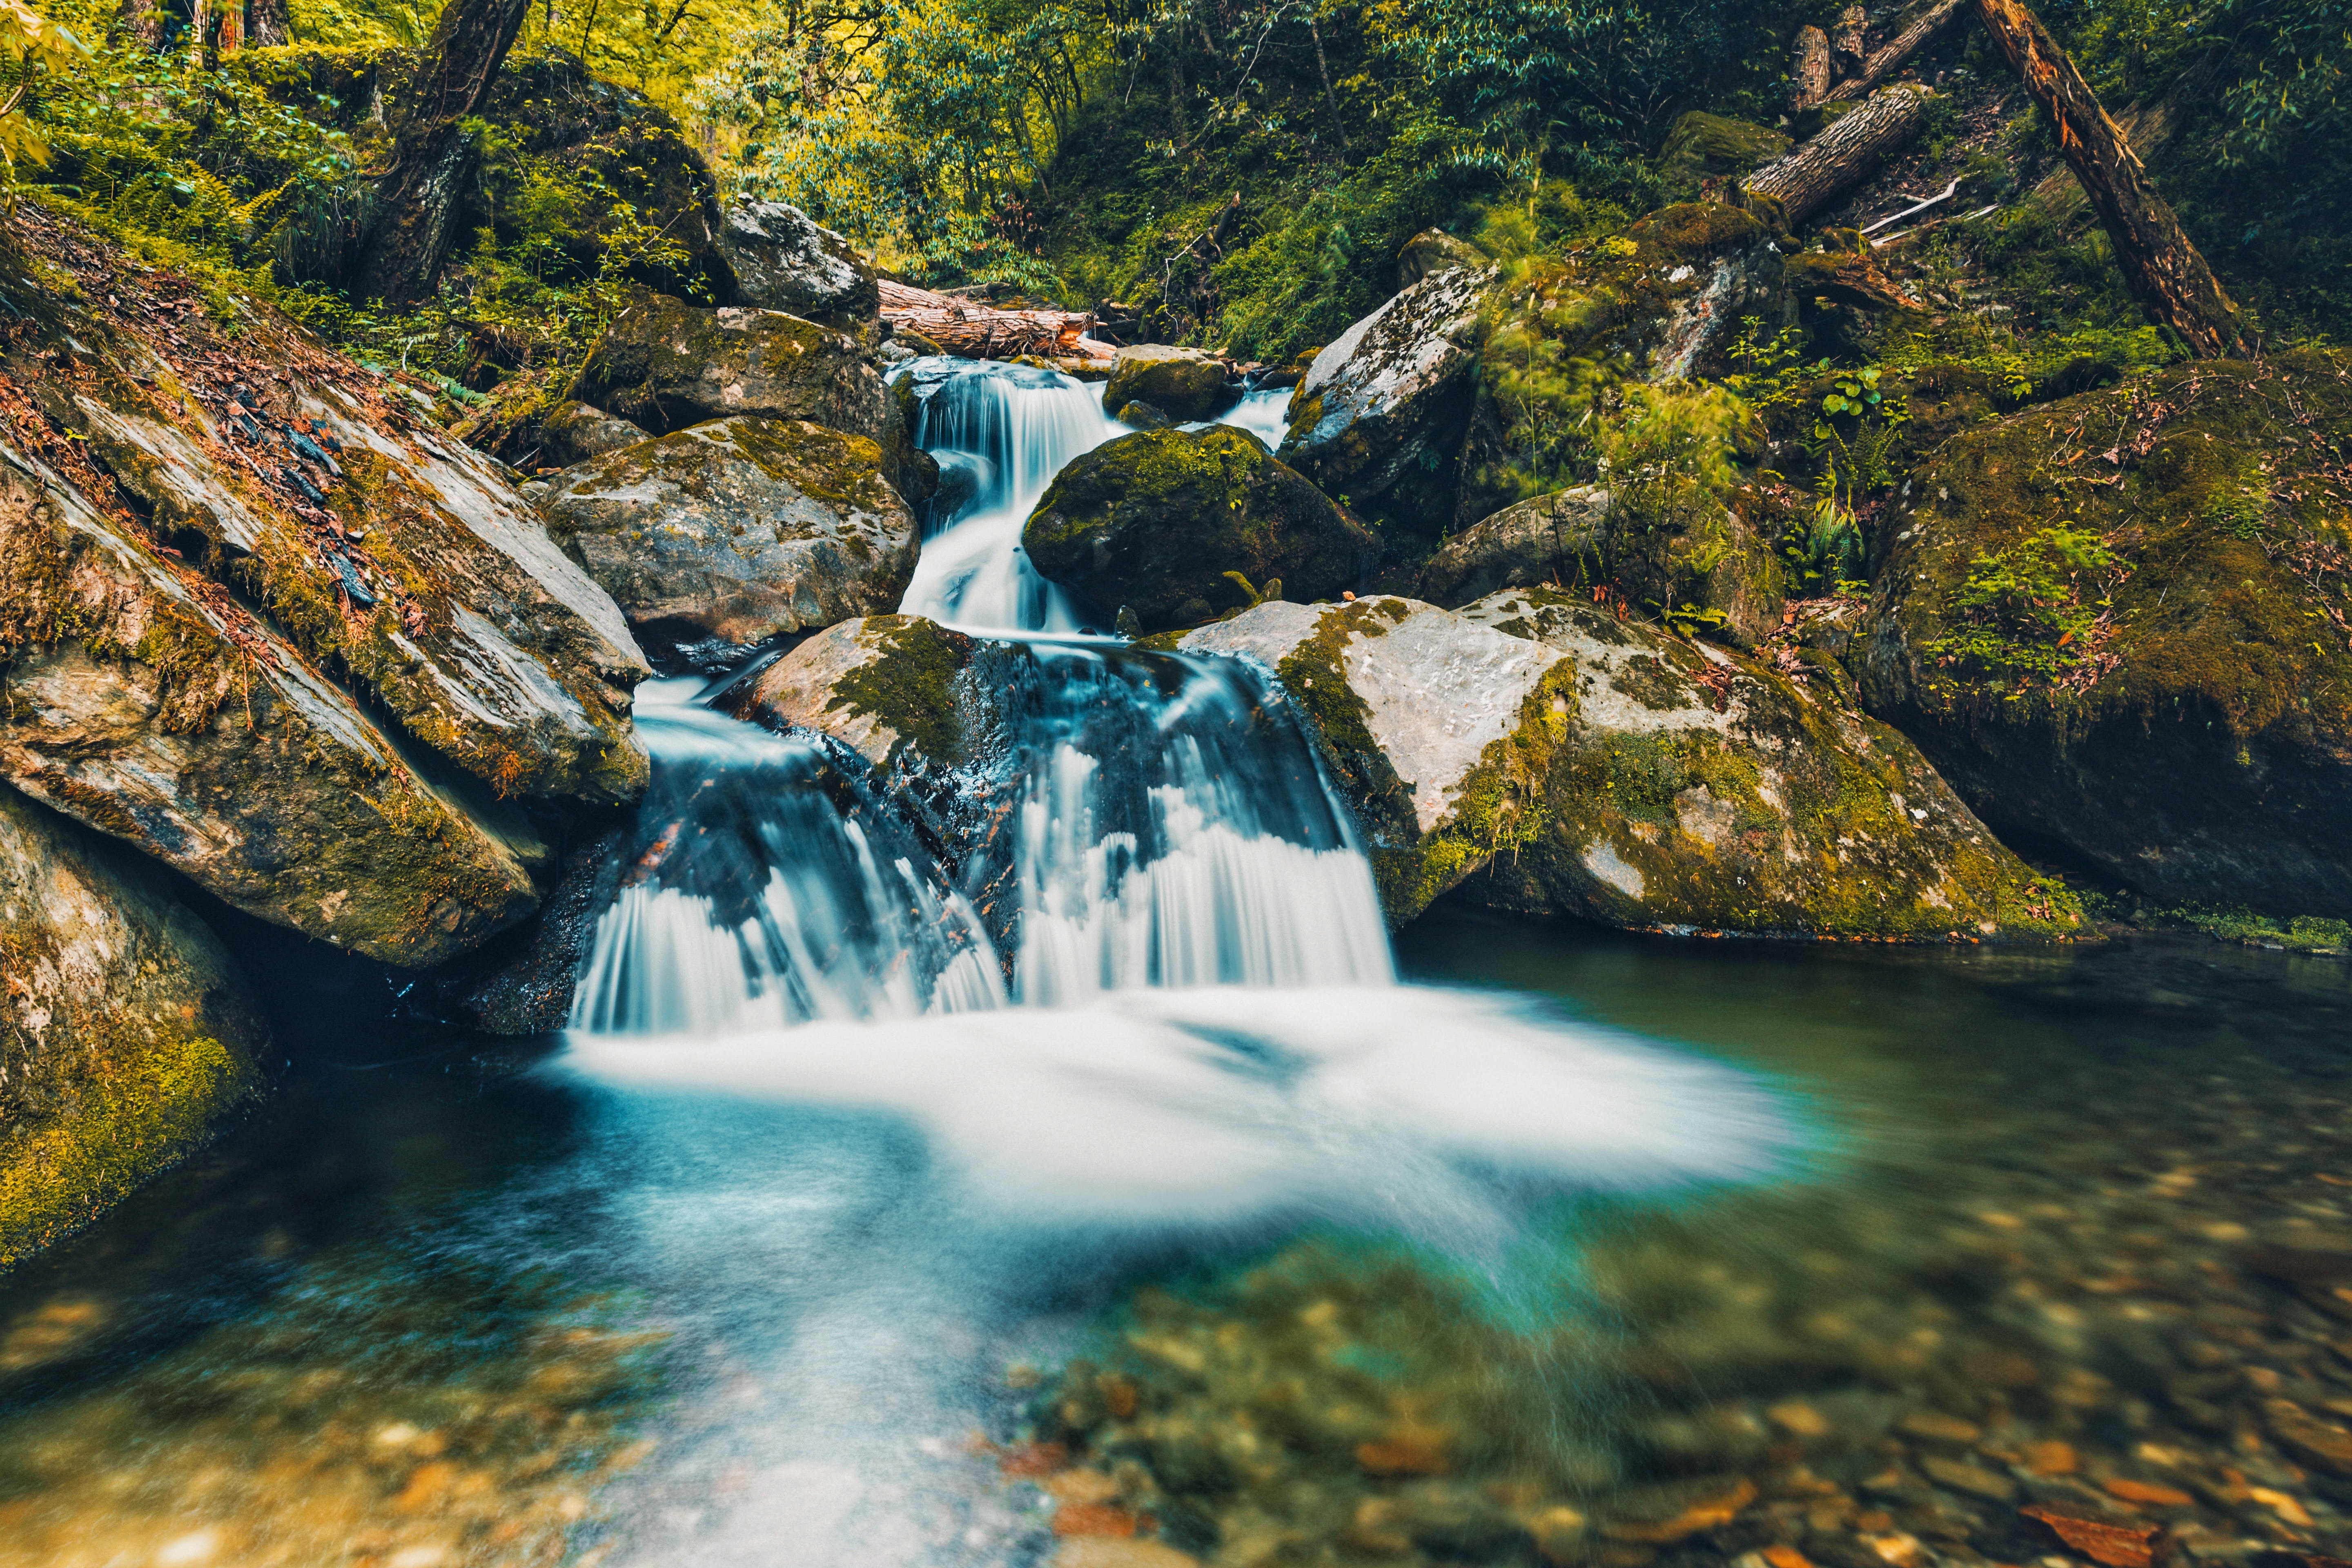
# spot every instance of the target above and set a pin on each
(1206, 1224)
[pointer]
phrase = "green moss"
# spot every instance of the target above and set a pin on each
(1702, 145)
(909, 685)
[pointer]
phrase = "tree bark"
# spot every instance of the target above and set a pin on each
(268, 22)
(141, 22)
(2163, 268)
(1849, 152)
(1899, 50)
(977, 332)
(1812, 68)
(1846, 45)
(414, 201)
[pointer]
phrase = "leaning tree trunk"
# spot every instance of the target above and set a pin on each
(417, 198)
(2159, 262)
(1898, 49)
(1851, 151)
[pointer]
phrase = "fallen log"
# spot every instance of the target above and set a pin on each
(1897, 51)
(2163, 268)
(981, 331)
(1811, 176)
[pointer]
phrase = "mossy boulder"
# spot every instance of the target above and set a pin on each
(1712, 146)
(739, 530)
(885, 686)
(1554, 538)
(2121, 624)
(126, 1032)
(262, 624)
(1184, 385)
(665, 365)
(1432, 251)
(1380, 415)
(1557, 759)
(780, 259)
(572, 432)
(1152, 522)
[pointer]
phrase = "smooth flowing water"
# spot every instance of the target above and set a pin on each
(1110, 1195)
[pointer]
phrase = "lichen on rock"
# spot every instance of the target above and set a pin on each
(126, 1033)
(740, 529)
(1181, 384)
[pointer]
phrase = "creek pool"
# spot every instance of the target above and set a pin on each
(1576, 1247)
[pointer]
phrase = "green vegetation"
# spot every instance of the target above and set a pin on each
(2022, 611)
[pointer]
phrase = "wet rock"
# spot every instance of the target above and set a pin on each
(665, 365)
(738, 529)
(125, 1030)
(1153, 521)
(1935, 1427)
(2173, 702)
(885, 686)
(1973, 1479)
(1142, 416)
(1560, 761)
(1550, 539)
(572, 432)
(1184, 384)
(782, 259)
(1379, 416)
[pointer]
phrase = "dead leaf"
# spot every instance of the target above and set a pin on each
(2115, 1545)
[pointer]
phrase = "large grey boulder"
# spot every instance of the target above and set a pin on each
(572, 432)
(1380, 417)
(1551, 537)
(782, 259)
(665, 365)
(1153, 521)
(1559, 761)
(739, 530)
(281, 636)
(125, 1030)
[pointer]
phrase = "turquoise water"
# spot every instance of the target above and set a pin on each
(1581, 1248)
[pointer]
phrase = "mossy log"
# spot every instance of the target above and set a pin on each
(981, 331)
(1809, 179)
(2164, 269)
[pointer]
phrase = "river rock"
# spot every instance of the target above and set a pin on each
(2164, 687)
(782, 259)
(885, 686)
(331, 667)
(1551, 537)
(572, 432)
(1562, 761)
(1151, 522)
(1432, 251)
(125, 1030)
(1184, 385)
(1379, 416)
(665, 365)
(739, 530)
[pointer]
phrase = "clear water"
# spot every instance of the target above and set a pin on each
(1109, 1193)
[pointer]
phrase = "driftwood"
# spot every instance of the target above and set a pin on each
(974, 331)
(1897, 51)
(2163, 268)
(1850, 151)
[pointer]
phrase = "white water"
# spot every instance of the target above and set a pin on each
(878, 1187)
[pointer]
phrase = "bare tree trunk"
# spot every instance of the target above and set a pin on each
(1899, 49)
(414, 201)
(268, 22)
(1849, 152)
(1845, 44)
(1812, 68)
(2163, 268)
(1323, 68)
(141, 22)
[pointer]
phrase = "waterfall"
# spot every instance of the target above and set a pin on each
(757, 900)
(999, 433)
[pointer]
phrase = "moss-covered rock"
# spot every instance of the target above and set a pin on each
(1560, 761)
(885, 686)
(1380, 415)
(740, 529)
(665, 365)
(1425, 255)
(1152, 522)
(2122, 624)
(1553, 538)
(782, 259)
(1185, 384)
(125, 1031)
(572, 432)
(1712, 146)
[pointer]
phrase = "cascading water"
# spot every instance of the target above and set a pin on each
(999, 433)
